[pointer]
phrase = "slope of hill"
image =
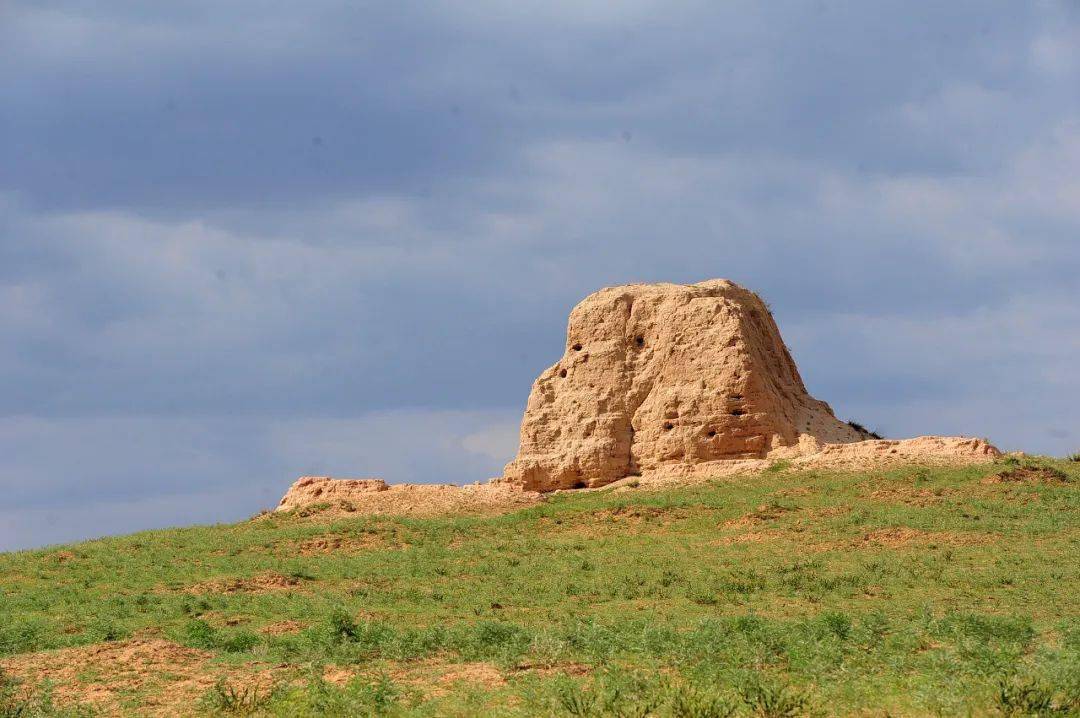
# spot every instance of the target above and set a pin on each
(908, 591)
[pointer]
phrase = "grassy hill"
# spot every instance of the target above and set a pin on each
(915, 591)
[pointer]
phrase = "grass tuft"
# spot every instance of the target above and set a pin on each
(864, 431)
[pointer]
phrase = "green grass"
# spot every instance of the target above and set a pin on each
(917, 591)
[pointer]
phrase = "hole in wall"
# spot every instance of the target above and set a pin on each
(639, 340)
(668, 426)
(712, 433)
(579, 485)
(577, 347)
(737, 412)
(562, 373)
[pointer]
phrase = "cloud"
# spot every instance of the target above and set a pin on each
(345, 240)
(75, 478)
(256, 105)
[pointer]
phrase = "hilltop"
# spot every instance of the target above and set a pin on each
(903, 591)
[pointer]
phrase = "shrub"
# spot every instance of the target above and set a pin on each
(200, 634)
(864, 431)
(575, 701)
(243, 700)
(487, 640)
(342, 626)
(687, 702)
(316, 697)
(773, 700)
(837, 623)
(1025, 698)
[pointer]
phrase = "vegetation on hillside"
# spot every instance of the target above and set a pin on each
(914, 591)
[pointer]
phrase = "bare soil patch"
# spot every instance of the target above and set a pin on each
(281, 628)
(763, 513)
(101, 674)
(1028, 475)
(336, 543)
(637, 514)
(910, 495)
(902, 536)
(750, 537)
(262, 583)
(483, 674)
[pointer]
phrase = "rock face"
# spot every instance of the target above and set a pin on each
(315, 489)
(667, 375)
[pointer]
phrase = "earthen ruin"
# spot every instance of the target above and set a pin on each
(660, 381)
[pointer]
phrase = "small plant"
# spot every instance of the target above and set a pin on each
(864, 431)
(197, 633)
(200, 634)
(837, 623)
(239, 642)
(575, 701)
(242, 700)
(1025, 698)
(311, 510)
(342, 626)
(1074, 457)
(687, 702)
(20, 701)
(14, 703)
(772, 700)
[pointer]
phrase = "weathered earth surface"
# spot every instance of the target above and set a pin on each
(657, 381)
(375, 496)
(309, 490)
(661, 375)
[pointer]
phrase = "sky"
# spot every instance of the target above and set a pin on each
(241, 242)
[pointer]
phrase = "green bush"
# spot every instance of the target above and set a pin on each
(769, 699)
(227, 698)
(197, 633)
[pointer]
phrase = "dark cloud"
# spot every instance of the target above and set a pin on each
(229, 230)
(165, 111)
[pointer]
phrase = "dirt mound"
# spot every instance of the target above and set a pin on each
(282, 628)
(321, 489)
(655, 375)
(373, 496)
(933, 450)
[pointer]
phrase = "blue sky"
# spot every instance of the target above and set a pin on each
(240, 242)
